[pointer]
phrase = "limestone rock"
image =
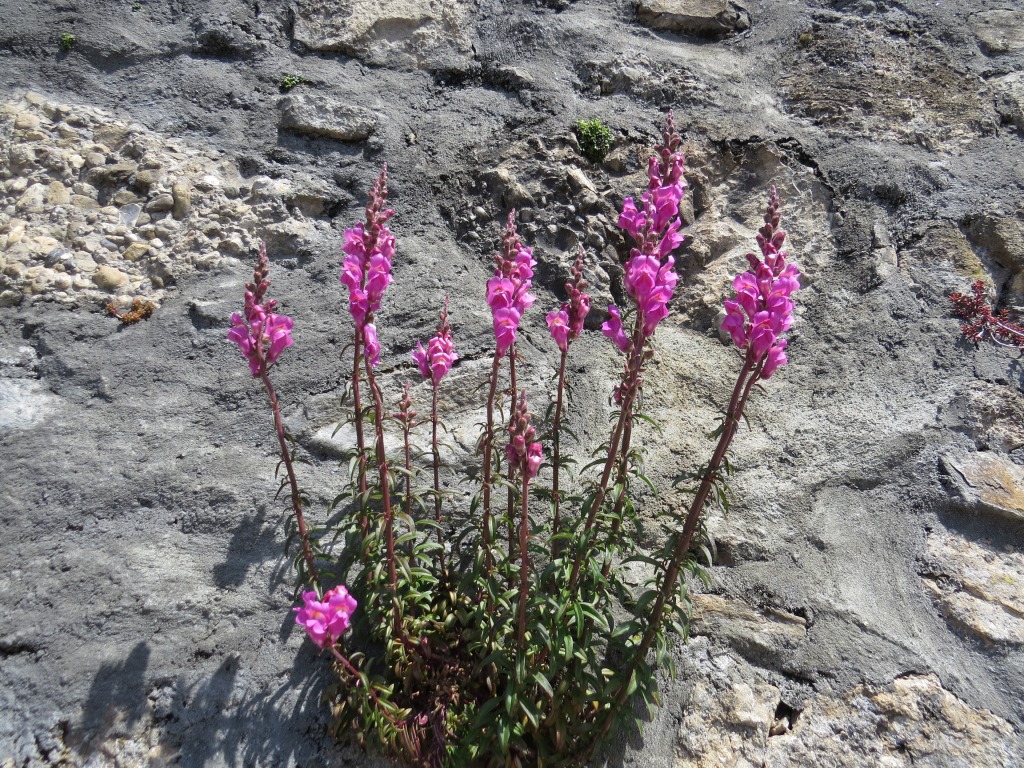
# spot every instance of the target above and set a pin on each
(999, 31)
(1002, 237)
(744, 628)
(988, 482)
(57, 194)
(978, 586)
(704, 18)
(403, 34)
(992, 414)
(1010, 98)
(911, 721)
(324, 116)
(181, 193)
(109, 279)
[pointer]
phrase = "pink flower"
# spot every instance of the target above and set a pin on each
(612, 328)
(437, 359)
(534, 457)
(650, 271)
(261, 335)
(558, 325)
(763, 310)
(371, 347)
(366, 269)
(508, 291)
(506, 323)
(326, 620)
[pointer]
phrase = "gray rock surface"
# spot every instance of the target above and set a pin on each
(865, 606)
(321, 116)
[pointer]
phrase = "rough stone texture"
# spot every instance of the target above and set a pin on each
(999, 31)
(978, 587)
(989, 482)
(860, 594)
(911, 721)
(704, 18)
(326, 117)
(425, 34)
(1010, 98)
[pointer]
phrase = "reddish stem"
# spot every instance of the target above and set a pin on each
(300, 520)
(556, 522)
(385, 490)
(511, 503)
(437, 474)
(488, 447)
(364, 525)
(630, 383)
(744, 382)
(524, 561)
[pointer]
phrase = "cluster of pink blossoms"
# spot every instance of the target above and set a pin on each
(763, 310)
(437, 358)
(508, 292)
(566, 324)
(523, 453)
(654, 227)
(366, 270)
(261, 335)
(325, 621)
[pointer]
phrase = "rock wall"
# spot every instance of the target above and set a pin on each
(865, 607)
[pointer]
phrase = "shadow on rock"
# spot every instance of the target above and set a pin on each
(252, 541)
(293, 720)
(117, 699)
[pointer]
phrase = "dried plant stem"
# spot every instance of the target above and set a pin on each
(300, 520)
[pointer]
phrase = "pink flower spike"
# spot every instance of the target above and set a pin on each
(260, 334)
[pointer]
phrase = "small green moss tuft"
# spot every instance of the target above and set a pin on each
(595, 139)
(290, 81)
(67, 41)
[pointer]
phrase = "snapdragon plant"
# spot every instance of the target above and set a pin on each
(497, 635)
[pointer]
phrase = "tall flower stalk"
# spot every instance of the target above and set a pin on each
(524, 459)
(434, 361)
(366, 271)
(262, 335)
(508, 295)
(755, 319)
(565, 325)
(650, 282)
